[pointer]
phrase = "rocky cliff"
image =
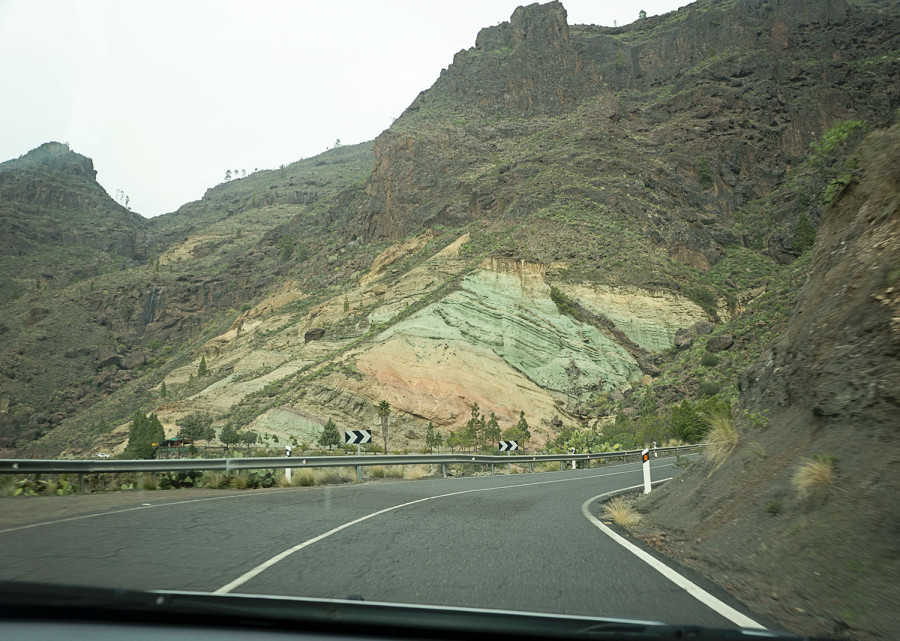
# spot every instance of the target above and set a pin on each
(822, 560)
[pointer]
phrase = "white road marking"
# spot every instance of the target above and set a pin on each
(262, 567)
(688, 586)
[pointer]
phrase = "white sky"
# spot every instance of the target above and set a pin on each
(166, 95)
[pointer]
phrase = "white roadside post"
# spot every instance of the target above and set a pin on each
(287, 470)
(645, 457)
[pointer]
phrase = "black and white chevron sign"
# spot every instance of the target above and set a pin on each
(506, 446)
(352, 437)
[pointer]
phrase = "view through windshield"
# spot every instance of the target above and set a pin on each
(567, 308)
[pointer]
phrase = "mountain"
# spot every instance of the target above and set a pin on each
(821, 560)
(615, 231)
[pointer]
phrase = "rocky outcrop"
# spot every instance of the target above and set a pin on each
(50, 196)
(825, 390)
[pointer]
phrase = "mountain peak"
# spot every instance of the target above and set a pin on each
(55, 156)
(539, 23)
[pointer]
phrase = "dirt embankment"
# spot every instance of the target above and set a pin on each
(827, 563)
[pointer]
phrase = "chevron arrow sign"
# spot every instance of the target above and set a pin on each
(357, 436)
(506, 446)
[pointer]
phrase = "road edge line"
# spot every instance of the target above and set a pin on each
(265, 565)
(685, 584)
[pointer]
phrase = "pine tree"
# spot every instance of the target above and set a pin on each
(492, 431)
(144, 435)
(431, 437)
(162, 390)
(330, 435)
(522, 427)
(202, 370)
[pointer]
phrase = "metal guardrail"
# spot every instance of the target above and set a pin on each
(47, 466)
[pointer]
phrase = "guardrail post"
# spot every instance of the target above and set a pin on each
(359, 473)
(444, 469)
(531, 467)
(81, 479)
(492, 469)
(562, 466)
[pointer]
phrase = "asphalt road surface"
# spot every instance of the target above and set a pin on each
(519, 542)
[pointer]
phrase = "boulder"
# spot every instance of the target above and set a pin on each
(719, 343)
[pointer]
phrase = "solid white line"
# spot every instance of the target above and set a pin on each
(688, 586)
(283, 555)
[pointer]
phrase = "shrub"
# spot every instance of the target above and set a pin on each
(709, 388)
(814, 475)
(620, 512)
(722, 437)
(304, 477)
(774, 507)
(709, 360)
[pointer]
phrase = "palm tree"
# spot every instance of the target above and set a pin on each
(384, 412)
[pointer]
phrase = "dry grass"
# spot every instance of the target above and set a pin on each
(416, 472)
(239, 482)
(721, 439)
(386, 471)
(620, 512)
(813, 476)
(336, 475)
(304, 477)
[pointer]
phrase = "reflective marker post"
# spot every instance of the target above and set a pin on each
(287, 470)
(645, 457)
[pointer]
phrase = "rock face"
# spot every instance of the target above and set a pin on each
(476, 144)
(649, 318)
(838, 359)
(51, 196)
(825, 390)
(505, 310)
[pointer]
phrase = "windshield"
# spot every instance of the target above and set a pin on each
(574, 308)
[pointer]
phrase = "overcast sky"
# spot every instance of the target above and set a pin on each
(166, 95)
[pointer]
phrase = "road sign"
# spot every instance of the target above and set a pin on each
(357, 436)
(508, 446)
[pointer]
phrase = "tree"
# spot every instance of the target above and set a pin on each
(144, 435)
(162, 390)
(522, 426)
(453, 440)
(384, 413)
(202, 369)
(228, 175)
(433, 438)
(196, 427)
(330, 435)
(688, 425)
(248, 438)
(473, 434)
(229, 435)
(492, 431)
(642, 15)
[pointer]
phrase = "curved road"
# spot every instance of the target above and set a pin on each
(518, 542)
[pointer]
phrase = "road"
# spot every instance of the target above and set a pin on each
(517, 542)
